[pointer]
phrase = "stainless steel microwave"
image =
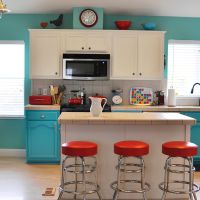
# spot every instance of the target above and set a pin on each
(86, 66)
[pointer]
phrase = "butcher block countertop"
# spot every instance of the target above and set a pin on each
(126, 108)
(42, 107)
(126, 118)
(163, 108)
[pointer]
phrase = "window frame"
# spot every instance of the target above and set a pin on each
(16, 117)
(185, 96)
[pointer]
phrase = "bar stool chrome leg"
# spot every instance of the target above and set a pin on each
(187, 169)
(121, 167)
(83, 177)
(96, 180)
(116, 193)
(191, 179)
(142, 180)
(76, 185)
(79, 168)
(62, 179)
(166, 179)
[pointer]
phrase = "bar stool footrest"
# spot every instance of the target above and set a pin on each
(161, 186)
(146, 186)
(97, 188)
(74, 168)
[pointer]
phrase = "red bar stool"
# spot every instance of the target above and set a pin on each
(185, 150)
(130, 150)
(84, 162)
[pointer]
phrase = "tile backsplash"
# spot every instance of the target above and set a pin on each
(101, 87)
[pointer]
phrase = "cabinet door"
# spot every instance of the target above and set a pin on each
(150, 55)
(97, 43)
(43, 141)
(195, 138)
(45, 55)
(86, 41)
(124, 58)
(75, 43)
(194, 132)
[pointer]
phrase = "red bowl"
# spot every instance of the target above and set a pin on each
(123, 25)
(44, 24)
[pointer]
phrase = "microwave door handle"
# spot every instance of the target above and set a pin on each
(72, 59)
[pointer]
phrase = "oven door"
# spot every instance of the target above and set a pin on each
(85, 69)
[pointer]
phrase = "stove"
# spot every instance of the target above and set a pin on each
(80, 108)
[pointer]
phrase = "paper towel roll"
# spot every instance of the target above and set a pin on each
(171, 97)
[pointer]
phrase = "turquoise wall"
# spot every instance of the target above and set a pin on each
(15, 27)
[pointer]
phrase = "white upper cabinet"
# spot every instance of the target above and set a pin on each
(86, 41)
(151, 55)
(45, 55)
(137, 55)
(124, 56)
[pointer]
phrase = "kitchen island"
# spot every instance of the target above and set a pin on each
(153, 128)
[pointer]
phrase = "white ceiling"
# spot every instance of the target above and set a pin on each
(182, 8)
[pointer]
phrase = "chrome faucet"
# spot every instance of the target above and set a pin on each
(192, 90)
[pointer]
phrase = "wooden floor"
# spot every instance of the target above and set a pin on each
(21, 181)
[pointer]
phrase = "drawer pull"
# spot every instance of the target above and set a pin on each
(42, 116)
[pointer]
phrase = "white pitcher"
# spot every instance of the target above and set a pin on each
(96, 108)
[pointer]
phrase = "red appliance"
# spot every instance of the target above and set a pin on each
(75, 101)
(40, 100)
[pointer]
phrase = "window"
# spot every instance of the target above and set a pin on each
(11, 79)
(184, 66)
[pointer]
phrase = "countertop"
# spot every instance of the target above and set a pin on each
(42, 107)
(163, 108)
(126, 107)
(126, 118)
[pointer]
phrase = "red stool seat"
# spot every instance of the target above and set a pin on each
(131, 148)
(179, 149)
(79, 148)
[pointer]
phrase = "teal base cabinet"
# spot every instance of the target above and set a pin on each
(195, 133)
(43, 137)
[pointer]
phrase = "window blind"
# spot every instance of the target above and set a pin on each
(184, 66)
(11, 79)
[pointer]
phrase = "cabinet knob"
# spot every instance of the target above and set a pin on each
(82, 48)
(42, 116)
(56, 73)
(133, 73)
(89, 48)
(140, 74)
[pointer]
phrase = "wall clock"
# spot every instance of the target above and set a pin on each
(88, 17)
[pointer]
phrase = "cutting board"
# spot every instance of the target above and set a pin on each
(141, 96)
